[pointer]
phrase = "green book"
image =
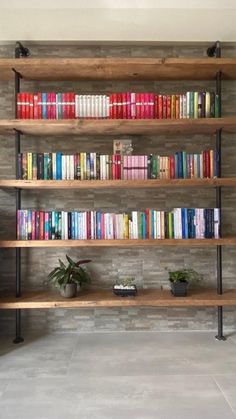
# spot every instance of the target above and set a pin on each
(184, 156)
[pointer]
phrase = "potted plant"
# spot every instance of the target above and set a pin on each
(69, 278)
(180, 279)
(125, 288)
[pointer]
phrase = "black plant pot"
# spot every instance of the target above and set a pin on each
(179, 289)
(125, 291)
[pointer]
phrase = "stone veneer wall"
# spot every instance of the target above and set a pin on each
(147, 265)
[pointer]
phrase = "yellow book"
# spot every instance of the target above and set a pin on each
(173, 105)
(195, 108)
(29, 166)
(211, 163)
(82, 166)
(207, 105)
(126, 226)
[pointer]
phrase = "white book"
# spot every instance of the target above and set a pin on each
(96, 105)
(53, 225)
(88, 106)
(181, 106)
(84, 106)
(155, 224)
(66, 225)
(63, 225)
(216, 223)
(67, 160)
(100, 106)
(77, 106)
(188, 104)
(63, 167)
(158, 231)
(107, 106)
(72, 167)
(184, 106)
(93, 106)
(54, 166)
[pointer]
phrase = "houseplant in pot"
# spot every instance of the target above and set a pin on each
(125, 287)
(68, 278)
(180, 279)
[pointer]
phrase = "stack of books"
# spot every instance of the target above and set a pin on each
(181, 223)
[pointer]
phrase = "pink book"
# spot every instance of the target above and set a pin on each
(136, 165)
(46, 234)
(146, 105)
(142, 108)
(133, 105)
(49, 106)
(128, 167)
(102, 226)
(128, 105)
(18, 224)
(33, 225)
(72, 105)
(145, 166)
(35, 106)
(125, 167)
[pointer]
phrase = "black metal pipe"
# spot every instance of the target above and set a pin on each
(18, 337)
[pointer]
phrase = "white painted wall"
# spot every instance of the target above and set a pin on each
(113, 20)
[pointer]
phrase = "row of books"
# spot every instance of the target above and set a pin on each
(125, 105)
(91, 166)
(181, 223)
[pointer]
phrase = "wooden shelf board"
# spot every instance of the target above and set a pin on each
(116, 184)
(106, 298)
(118, 68)
(117, 126)
(229, 241)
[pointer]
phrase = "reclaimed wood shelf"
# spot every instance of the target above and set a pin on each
(106, 298)
(98, 127)
(228, 241)
(116, 184)
(59, 69)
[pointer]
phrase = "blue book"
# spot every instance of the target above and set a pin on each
(76, 226)
(59, 166)
(46, 226)
(180, 165)
(216, 164)
(176, 166)
(99, 225)
(72, 225)
(198, 166)
(193, 223)
(152, 224)
(29, 226)
(44, 105)
(184, 215)
(143, 225)
(189, 223)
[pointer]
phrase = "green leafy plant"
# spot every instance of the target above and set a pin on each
(72, 273)
(184, 275)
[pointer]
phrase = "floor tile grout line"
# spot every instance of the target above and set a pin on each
(224, 395)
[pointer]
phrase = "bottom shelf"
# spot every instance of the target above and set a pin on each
(106, 298)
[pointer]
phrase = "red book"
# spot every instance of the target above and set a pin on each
(41, 225)
(142, 114)
(124, 105)
(27, 106)
(138, 105)
(118, 163)
(207, 163)
(115, 106)
(160, 106)
(172, 167)
(156, 115)
(39, 105)
(164, 106)
(72, 101)
(114, 167)
(151, 106)
(119, 106)
(35, 107)
(146, 106)
(88, 225)
(177, 104)
(128, 105)
(63, 107)
(31, 105)
(168, 106)
(19, 106)
(23, 105)
(53, 106)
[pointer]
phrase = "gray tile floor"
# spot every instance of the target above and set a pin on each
(140, 375)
